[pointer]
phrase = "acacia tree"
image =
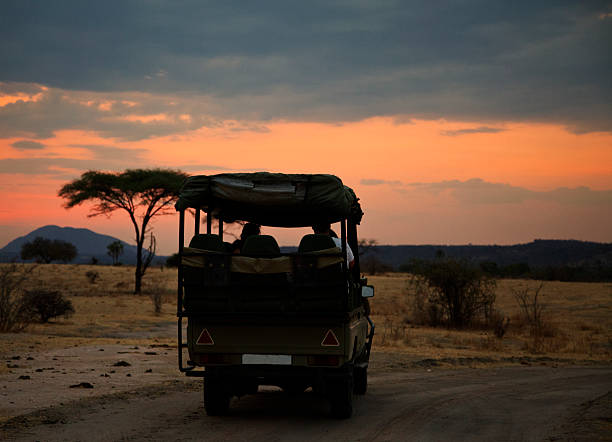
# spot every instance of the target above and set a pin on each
(142, 193)
(45, 250)
(115, 249)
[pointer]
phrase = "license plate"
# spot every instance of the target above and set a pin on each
(266, 359)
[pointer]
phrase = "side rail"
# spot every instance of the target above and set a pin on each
(298, 283)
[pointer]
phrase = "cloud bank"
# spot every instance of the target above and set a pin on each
(476, 191)
(327, 61)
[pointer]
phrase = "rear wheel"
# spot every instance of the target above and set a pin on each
(341, 398)
(361, 380)
(216, 397)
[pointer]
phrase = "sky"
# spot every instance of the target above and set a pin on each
(454, 122)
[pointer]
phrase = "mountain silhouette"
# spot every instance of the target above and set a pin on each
(538, 253)
(89, 245)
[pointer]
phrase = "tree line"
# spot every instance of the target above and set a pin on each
(596, 272)
(44, 251)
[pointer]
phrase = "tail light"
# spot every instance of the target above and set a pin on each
(214, 358)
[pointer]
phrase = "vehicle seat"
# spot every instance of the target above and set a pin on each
(318, 288)
(207, 241)
(314, 242)
(261, 292)
(204, 283)
(261, 246)
(310, 264)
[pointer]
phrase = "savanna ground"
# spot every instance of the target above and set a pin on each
(112, 326)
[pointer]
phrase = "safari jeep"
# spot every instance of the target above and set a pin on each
(262, 317)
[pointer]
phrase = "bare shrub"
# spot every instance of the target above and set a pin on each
(92, 276)
(451, 292)
(545, 334)
(13, 316)
(156, 288)
(46, 304)
(531, 306)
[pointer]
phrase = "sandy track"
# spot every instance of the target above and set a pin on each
(503, 404)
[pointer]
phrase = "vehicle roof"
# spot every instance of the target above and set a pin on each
(272, 199)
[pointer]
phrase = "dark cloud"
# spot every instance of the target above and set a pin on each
(327, 60)
(126, 155)
(58, 166)
(45, 166)
(105, 158)
(476, 130)
(15, 88)
(28, 145)
(125, 116)
(377, 182)
(478, 191)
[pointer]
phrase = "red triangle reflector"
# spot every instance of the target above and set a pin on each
(205, 338)
(330, 340)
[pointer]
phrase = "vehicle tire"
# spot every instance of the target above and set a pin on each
(341, 398)
(216, 397)
(360, 380)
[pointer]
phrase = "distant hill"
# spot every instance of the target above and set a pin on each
(89, 245)
(538, 253)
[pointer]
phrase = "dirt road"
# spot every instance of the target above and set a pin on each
(501, 404)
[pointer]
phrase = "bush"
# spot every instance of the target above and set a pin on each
(46, 304)
(173, 260)
(92, 276)
(13, 316)
(452, 292)
(373, 266)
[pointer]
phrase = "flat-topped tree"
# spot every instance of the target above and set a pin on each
(142, 193)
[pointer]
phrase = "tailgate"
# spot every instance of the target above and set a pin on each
(294, 343)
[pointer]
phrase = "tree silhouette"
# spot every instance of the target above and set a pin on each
(114, 250)
(45, 250)
(142, 193)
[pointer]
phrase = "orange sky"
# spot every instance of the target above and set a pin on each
(453, 123)
(531, 159)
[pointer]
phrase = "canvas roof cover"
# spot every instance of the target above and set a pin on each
(272, 199)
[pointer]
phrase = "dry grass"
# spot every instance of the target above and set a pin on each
(577, 323)
(578, 317)
(105, 311)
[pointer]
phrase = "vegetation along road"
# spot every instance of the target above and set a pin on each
(497, 403)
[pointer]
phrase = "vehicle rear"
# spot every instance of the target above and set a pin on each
(293, 320)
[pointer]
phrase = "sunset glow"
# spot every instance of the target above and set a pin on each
(436, 155)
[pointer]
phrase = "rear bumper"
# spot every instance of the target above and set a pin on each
(266, 372)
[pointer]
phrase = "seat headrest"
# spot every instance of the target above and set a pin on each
(207, 241)
(314, 242)
(260, 245)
